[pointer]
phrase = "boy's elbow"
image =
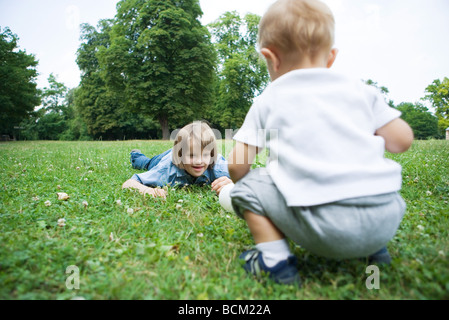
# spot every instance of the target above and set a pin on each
(409, 141)
(398, 136)
(403, 144)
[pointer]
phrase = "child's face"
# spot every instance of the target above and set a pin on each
(196, 161)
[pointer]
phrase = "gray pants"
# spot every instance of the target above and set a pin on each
(349, 228)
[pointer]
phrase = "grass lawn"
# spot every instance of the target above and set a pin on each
(129, 247)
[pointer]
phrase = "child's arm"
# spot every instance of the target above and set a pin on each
(240, 160)
(219, 183)
(397, 134)
(134, 184)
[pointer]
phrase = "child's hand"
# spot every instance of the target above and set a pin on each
(155, 192)
(218, 184)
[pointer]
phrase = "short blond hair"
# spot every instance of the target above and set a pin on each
(304, 27)
(198, 134)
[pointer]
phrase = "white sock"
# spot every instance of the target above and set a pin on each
(274, 252)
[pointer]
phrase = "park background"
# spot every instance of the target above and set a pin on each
(149, 70)
(142, 74)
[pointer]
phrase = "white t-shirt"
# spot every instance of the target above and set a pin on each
(319, 127)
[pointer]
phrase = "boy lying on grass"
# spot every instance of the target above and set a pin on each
(193, 160)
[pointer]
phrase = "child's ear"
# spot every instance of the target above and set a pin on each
(331, 58)
(272, 58)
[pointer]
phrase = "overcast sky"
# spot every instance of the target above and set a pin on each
(401, 44)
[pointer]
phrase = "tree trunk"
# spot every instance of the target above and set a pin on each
(163, 121)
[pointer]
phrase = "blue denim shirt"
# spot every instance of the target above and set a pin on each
(166, 173)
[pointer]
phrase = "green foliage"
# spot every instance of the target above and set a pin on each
(443, 125)
(58, 119)
(423, 123)
(383, 90)
(102, 107)
(242, 74)
(76, 127)
(50, 121)
(161, 57)
(439, 97)
(53, 96)
(18, 90)
(187, 247)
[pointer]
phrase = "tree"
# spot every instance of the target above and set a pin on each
(383, 90)
(90, 99)
(439, 97)
(423, 123)
(50, 121)
(242, 74)
(106, 115)
(18, 90)
(102, 107)
(76, 127)
(53, 96)
(161, 57)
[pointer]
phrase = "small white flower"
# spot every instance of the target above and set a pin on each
(90, 171)
(179, 206)
(61, 222)
(35, 198)
(200, 235)
(63, 196)
(47, 203)
(119, 202)
(77, 168)
(429, 193)
(441, 253)
(130, 211)
(420, 228)
(85, 204)
(180, 201)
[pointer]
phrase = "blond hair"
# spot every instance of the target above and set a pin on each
(195, 135)
(304, 27)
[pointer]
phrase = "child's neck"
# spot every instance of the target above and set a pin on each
(289, 65)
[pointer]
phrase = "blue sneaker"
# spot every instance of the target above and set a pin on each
(380, 257)
(285, 272)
